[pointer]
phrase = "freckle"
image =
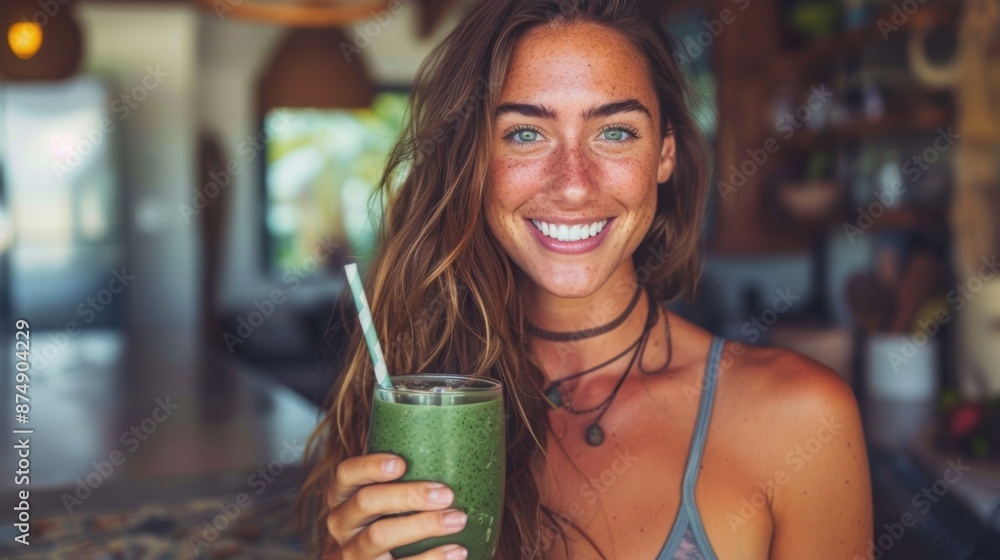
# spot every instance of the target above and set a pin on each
(805, 492)
(848, 444)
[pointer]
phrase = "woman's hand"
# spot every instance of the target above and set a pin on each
(361, 495)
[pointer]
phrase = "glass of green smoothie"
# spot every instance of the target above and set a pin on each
(448, 429)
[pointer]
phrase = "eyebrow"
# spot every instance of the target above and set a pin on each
(601, 111)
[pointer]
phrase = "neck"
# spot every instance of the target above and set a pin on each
(553, 313)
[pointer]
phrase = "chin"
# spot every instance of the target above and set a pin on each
(571, 282)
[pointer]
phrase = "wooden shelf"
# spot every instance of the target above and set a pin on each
(822, 50)
(838, 44)
(751, 79)
(894, 125)
(895, 219)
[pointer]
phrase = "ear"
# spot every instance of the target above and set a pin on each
(668, 159)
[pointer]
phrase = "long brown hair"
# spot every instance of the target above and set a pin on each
(443, 293)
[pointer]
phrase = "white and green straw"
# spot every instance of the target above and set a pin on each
(367, 327)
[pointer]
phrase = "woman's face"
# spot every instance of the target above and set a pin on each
(576, 158)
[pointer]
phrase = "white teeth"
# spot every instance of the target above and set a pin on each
(574, 233)
(563, 232)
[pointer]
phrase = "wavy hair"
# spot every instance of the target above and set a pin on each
(443, 292)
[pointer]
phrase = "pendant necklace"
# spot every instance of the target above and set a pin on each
(594, 435)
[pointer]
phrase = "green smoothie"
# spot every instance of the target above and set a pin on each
(458, 443)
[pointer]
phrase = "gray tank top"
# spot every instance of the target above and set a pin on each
(687, 539)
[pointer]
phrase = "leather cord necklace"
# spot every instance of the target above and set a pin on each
(587, 333)
(594, 434)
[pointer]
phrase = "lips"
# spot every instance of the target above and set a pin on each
(570, 232)
(568, 239)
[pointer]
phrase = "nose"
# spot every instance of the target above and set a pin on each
(574, 175)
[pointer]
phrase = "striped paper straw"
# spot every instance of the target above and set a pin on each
(365, 316)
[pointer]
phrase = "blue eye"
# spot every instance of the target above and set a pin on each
(618, 134)
(523, 136)
(614, 134)
(526, 136)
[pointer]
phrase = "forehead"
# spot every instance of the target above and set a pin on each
(561, 63)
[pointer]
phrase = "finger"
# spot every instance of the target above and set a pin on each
(375, 500)
(446, 552)
(387, 534)
(358, 471)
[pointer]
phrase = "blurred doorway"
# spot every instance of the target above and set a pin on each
(64, 203)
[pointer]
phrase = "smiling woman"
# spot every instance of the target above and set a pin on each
(575, 150)
(555, 216)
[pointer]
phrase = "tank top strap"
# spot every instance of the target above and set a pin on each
(704, 414)
(687, 538)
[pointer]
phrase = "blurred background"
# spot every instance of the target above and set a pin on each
(182, 181)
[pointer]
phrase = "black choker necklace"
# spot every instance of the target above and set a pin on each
(588, 333)
(595, 434)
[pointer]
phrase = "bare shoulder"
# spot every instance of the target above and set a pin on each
(805, 426)
(771, 391)
(784, 386)
(793, 428)
(789, 400)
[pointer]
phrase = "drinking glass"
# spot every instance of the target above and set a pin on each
(448, 429)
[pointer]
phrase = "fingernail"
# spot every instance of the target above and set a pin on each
(391, 466)
(440, 494)
(455, 519)
(456, 553)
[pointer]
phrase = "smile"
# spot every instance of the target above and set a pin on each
(564, 232)
(570, 239)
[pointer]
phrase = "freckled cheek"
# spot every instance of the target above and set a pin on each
(505, 193)
(515, 182)
(630, 180)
